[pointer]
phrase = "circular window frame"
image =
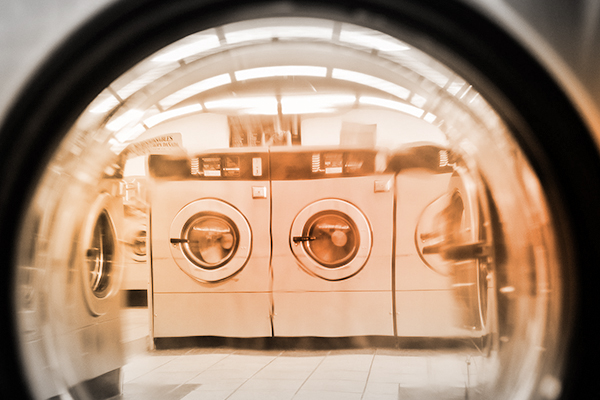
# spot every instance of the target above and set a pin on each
(559, 144)
(186, 244)
(312, 266)
(99, 305)
(215, 207)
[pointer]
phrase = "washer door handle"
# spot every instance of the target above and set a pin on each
(298, 239)
(178, 241)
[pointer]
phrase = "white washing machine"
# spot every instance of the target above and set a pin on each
(136, 272)
(434, 297)
(332, 241)
(87, 327)
(454, 238)
(210, 245)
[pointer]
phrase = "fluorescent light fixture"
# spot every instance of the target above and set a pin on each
(130, 134)
(200, 44)
(373, 40)
(418, 100)
(125, 119)
(105, 105)
(116, 146)
(196, 88)
(455, 87)
(268, 104)
(145, 79)
(314, 103)
(283, 70)
(284, 32)
(429, 117)
(164, 116)
(371, 81)
(394, 105)
(289, 104)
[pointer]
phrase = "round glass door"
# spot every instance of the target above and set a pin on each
(139, 246)
(101, 256)
(451, 239)
(297, 80)
(210, 240)
(333, 239)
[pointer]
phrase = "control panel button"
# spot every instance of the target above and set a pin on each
(259, 192)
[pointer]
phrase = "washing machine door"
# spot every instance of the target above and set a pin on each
(102, 266)
(451, 240)
(210, 240)
(331, 239)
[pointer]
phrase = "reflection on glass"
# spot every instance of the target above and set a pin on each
(467, 265)
(101, 256)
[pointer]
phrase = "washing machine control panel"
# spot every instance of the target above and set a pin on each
(319, 163)
(218, 166)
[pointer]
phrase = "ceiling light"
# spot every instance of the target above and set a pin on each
(244, 104)
(373, 40)
(164, 116)
(314, 103)
(371, 81)
(145, 79)
(284, 70)
(270, 32)
(200, 44)
(130, 134)
(108, 103)
(125, 119)
(394, 105)
(194, 89)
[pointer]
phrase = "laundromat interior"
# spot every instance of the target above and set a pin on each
(291, 208)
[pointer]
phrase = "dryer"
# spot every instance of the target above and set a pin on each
(88, 261)
(332, 240)
(210, 245)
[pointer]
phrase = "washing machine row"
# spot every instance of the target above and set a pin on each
(315, 242)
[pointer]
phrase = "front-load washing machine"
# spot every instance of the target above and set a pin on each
(210, 244)
(332, 241)
(136, 272)
(87, 268)
(425, 300)
(454, 237)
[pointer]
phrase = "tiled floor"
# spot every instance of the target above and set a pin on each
(234, 374)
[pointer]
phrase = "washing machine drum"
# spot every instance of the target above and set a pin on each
(210, 240)
(331, 239)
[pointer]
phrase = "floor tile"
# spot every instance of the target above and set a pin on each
(215, 375)
(239, 374)
(381, 388)
(200, 394)
(157, 392)
(262, 395)
(286, 374)
(334, 386)
(272, 384)
(340, 374)
(319, 395)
